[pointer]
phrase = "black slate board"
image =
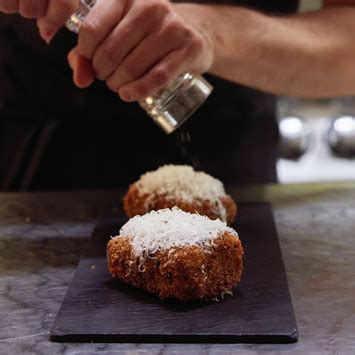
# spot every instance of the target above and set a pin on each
(99, 309)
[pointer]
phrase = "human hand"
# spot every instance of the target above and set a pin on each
(51, 15)
(139, 46)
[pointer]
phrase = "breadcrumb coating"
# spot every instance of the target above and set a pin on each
(136, 204)
(186, 273)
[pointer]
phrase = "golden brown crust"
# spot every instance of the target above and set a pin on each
(135, 204)
(230, 207)
(185, 273)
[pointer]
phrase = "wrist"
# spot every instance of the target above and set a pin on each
(199, 18)
(225, 29)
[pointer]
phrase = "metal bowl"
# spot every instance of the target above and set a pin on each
(341, 136)
(294, 137)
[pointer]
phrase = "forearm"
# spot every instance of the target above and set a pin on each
(308, 55)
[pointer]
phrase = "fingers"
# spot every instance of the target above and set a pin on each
(9, 6)
(138, 47)
(32, 8)
(102, 18)
(51, 14)
(158, 59)
(115, 48)
(83, 73)
(143, 57)
(157, 78)
(140, 17)
(58, 12)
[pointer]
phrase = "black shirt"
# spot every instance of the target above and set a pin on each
(55, 136)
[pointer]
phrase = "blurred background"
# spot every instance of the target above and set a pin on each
(40, 149)
(317, 139)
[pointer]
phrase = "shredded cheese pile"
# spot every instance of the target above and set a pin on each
(182, 183)
(169, 228)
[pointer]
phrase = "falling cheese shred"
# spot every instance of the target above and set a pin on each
(183, 183)
(169, 228)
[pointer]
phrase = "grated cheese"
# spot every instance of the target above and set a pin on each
(169, 228)
(183, 183)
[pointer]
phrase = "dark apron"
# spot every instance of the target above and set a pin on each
(55, 136)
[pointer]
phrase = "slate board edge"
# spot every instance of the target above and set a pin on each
(59, 336)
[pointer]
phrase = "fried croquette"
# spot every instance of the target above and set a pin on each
(181, 186)
(197, 258)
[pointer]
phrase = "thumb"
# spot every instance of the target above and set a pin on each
(46, 30)
(83, 72)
